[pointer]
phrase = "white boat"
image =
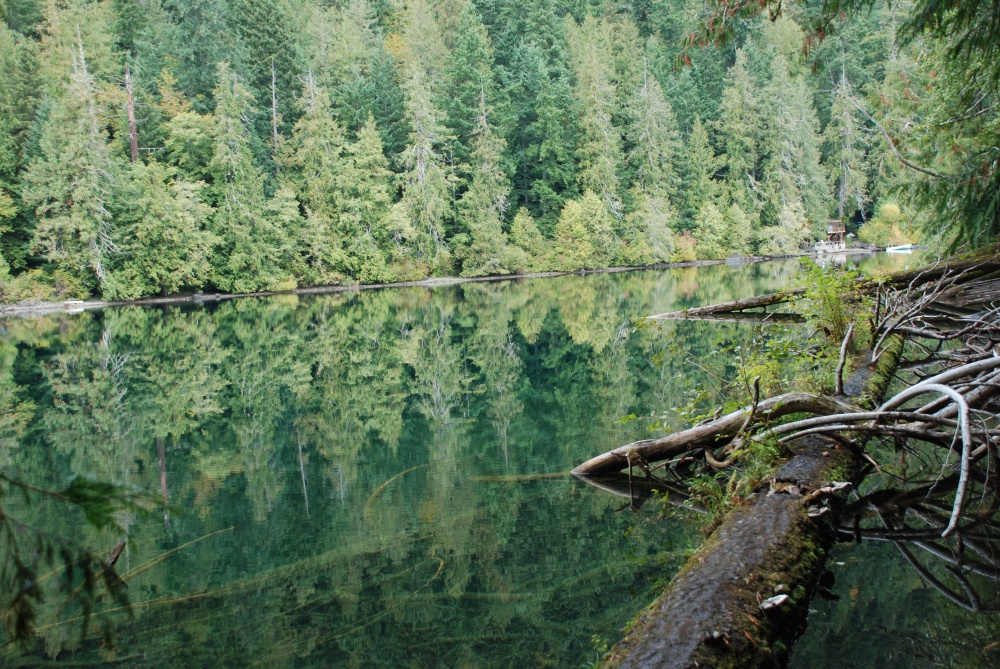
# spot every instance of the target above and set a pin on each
(902, 248)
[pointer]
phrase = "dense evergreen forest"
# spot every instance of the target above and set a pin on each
(154, 146)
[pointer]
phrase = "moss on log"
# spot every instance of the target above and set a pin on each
(714, 613)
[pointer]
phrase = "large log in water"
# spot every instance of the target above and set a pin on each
(742, 599)
(713, 614)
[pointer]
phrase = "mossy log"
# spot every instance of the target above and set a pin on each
(742, 599)
(713, 613)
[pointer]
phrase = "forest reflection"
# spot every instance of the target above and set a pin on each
(364, 479)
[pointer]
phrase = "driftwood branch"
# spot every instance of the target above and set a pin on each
(711, 434)
(839, 390)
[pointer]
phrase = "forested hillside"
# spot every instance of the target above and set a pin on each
(154, 146)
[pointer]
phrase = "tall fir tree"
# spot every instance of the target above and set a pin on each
(484, 205)
(315, 158)
(698, 167)
(653, 140)
(273, 61)
(551, 164)
(793, 171)
(599, 150)
(200, 37)
(71, 185)
(738, 130)
(252, 246)
(163, 235)
(18, 104)
(365, 216)
(426, 178)
(469, 79)
(847, 143)
(375, 91)
(584, 234)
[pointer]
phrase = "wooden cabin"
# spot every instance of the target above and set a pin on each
(835, 238)
(835, 231)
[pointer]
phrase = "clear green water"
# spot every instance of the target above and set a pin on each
(370, 479)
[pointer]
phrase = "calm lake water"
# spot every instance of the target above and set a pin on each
(367, 479)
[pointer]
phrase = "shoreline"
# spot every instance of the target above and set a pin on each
(33, 309)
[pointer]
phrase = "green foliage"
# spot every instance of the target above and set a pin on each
(70, 184)
(316, 157)
(190, 144)
(826, 306)
(482, 207)
(887, 228)
(584, 235)
(164, 242)
(575, 99)
(272, 60)
(599, 149)
(253, 246)
(29, 553)
(698, 167)
(711, 232)
(525, 235)
(470, 86)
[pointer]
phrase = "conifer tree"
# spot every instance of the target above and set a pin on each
(711, 233)
(809, 172)
(422, 47)
(190, 137)
(200, 37)
(552, 158)
(649, 228)
(426, 178)
(341, 41)
(525, 235)
(739, 231)
(71, 185)
(653, 155)
(654, 143)
(793, 170)
(251, 245)
(584, 235)
(273, 62)
(698, 166)
(366, 199)
(600, 145)
(316, 157)
(738, 131)
(484, 204)
(470, 79)
(18, 102)
(163, 231)
(847, 142)
(376, 91)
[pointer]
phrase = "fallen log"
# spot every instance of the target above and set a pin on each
(713, 612)
(735, 306)
(772, 317)
(742, 599)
